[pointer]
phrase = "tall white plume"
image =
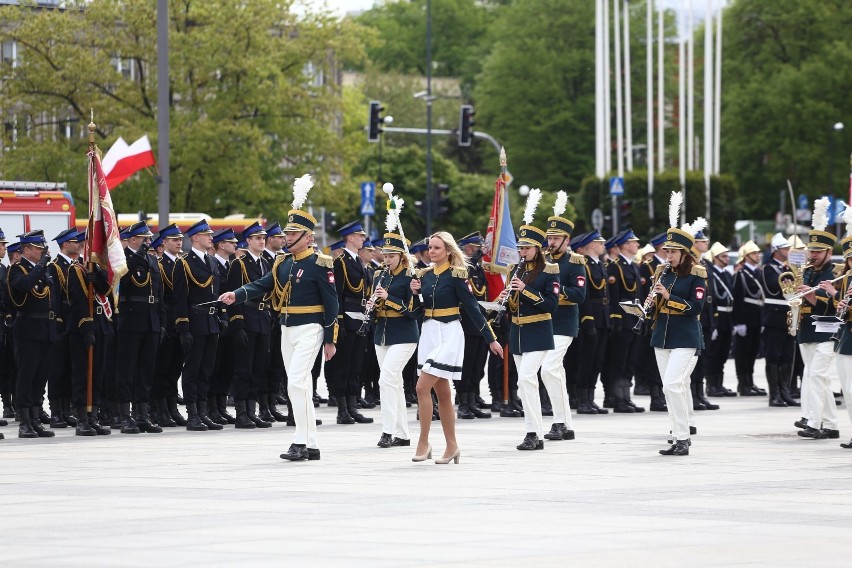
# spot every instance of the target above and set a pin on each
(696, 226)
(301, 187)
(532, 203)
(820, 217)
(847, 218)
(392, 220)
(561, 203)
(674, 208)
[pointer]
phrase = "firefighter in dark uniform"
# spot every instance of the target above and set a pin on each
(140, 325)
(35, 304)
(169, 354)
(748, 304)
(594, 323)
(6, 363)
(622, 354)
(251, 324)
(475, 347)
(647, 359)
(225, 243)
(352, 293)
(59, 377)
(276, 375)
(721, 285)
(779, 345)
(709, 320)
(86, 331)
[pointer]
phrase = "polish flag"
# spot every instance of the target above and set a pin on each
(123, 160)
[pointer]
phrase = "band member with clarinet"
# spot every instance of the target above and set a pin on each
(817, 349)
(533, 295)
(443, 287)
(678, 293)
(395, 333)
(303, 294)
(566, 318)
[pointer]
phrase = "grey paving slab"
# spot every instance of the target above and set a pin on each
(750, 494)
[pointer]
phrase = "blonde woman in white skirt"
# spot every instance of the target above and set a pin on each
(442, 288)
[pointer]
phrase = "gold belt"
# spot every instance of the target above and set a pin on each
(566, 303)
(441, 312)
(523, 320)
(671, 312)
(388, 314)
(294, 310)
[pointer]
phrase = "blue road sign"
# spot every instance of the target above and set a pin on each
(368, 198)
(616, 186)
(803, 201)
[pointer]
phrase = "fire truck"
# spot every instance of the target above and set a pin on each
(26, 206)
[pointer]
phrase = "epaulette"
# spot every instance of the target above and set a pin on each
(494, 269)
(551, 268)
(659, 270)
(421, 271)
(460, 272)
(839, 269)
(577, 258)
(699, 270)
(325, 260)
(278, 260)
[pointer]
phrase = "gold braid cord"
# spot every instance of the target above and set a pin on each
(280, 294)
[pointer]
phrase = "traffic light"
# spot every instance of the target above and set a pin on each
(442, 200)
(624, 213)
(329, 223)
(466, 125)
(376, 119)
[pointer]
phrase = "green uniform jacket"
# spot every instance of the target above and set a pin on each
(824, 306)
(444, 289)
(302, 289)
(396, 317)
(572, 291)
(676, 323)
(844, 346)
(532, 311)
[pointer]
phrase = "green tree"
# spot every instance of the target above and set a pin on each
(251, 100)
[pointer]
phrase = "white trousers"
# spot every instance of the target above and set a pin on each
(392, 360)
(299, 346)
(528, 365)
(817, 397)
(675, 367)
(844, 369)
(553, 377)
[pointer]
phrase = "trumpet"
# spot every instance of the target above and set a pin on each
(370, 306)
(649, 301)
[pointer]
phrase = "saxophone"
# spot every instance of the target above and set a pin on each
(789, 281)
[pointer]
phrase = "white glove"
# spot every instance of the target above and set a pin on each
(740, 330)
(715, 335)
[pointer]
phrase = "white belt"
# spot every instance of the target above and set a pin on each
(753, 301)
(774, 302)
(725, 309)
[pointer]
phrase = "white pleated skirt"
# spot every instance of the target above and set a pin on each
(441, 349)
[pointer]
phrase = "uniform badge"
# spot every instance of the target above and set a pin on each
(699, 293)
(581, 281)
(611, 279)
(643, 281)
(556, 287)
(330, 277)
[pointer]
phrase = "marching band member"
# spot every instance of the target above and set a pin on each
(748, 303)
(566, 318)
(679, 291)
(443, 287)
(533, 295)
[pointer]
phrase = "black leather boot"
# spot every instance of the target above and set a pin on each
(343, 416)
(515, 401)
(714, 387)
(584, 404)
(679, 448)
(83, 428)
(205, 417)
(222, 407)
(25, 427)
(464, 412)
(193, 420)
(772, 378)
(785, 377)
(251, 406)
(658, 399)
(758, 390)
(620, 398)
(56, 420)
(68, 414)
(698, 395)
(164, 418)
(95, 423)
(357, 416)
(297, 452)
(115, 415)
(594, 405)
(572, 396)
(264, 414)
(474, 408)
(385, 440)
(212, 411)
(559, 432)
(242, 420)
(128, 425)
(175, 413)
(8, 409)
(143, 421)
(273, 410)
(531, 442)
(35, 421)
(626, 394)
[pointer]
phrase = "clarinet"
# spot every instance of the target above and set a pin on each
(841, 312)
(502, 303)
(649, 301)
(368, 312)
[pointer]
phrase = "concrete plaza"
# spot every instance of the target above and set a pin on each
(750, 494)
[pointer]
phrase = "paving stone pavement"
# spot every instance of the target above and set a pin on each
(751, 493)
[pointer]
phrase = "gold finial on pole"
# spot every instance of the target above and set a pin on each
(502, 157)
(92, 127)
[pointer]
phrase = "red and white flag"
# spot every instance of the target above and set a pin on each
(122, 161)
(103, 245)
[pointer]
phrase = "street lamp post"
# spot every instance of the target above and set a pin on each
(428, 117)
(837, 127)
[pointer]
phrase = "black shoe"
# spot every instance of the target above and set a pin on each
(847, 445)
(142, 420)
(385, 441)
(332, 401)
(39, 429)
(343, 416)
(808, 432)
(559, 432)
(474, 407)
(43, 417)
(25, 428)
(222, 407)
(83, 428)
(641, 390)
(251, 407)
(659, 406)
(207, 421)
(400, 442)
(277, 415)
(313, 454)
(464, 412)
(507, 411)
(623, 408)
(193, 420)
(679, 448)
(56, 421)
(297, 452)
(496, 405)
(547, 411)
(260, 423)
(714, 391)
(165, 418)
(531, 442)
(829, 434)
(356, 416)
(99, 430)
(608, 402)
(175, 413)
(775, 401)
(243, 422)
(363, 403)
(801, 423)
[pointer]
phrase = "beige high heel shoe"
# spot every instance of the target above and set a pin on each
(453, 458)
(423, 457)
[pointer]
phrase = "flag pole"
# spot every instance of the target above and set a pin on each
(504, 176)
(90, 349)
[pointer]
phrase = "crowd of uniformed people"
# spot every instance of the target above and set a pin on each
(245, 321)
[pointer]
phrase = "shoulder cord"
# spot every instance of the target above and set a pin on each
(39, 295)
(748, 289)
(360, 288)
(188, 271)
(601, 286)
(623, 282)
